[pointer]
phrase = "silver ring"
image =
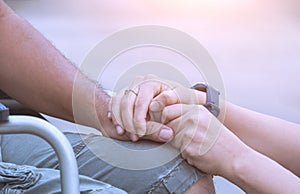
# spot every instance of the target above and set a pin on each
(130, 90)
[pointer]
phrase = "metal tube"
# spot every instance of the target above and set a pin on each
(32, 125)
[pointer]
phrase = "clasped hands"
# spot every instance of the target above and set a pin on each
(162, 110)
(145, 108)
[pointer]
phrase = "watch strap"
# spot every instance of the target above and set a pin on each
(212, 97)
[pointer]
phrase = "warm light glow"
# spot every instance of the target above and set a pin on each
(197, 7)
(202, 2)
(196, 4)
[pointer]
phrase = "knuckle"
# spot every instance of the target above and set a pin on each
(190, 152)
(187, 136)
(165, 95)
(190, 121)
(190, 161)
(186, 155)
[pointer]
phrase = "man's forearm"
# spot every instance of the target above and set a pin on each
(32, 70)
(35, 73)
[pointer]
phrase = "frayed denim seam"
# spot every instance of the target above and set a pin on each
(163, 180)
(17, 178)
(91, 191)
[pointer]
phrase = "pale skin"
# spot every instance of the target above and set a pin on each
(259, 153)
(36, 74)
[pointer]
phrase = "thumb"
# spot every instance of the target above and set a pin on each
(158, 132)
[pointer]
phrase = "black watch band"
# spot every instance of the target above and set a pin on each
(212, 97)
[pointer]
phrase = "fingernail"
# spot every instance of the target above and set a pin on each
(166, 133)
(109, 115)
(134, 137)
(120, 130)
(156, 106)
(140, 132)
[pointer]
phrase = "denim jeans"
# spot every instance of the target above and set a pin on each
(96, 175)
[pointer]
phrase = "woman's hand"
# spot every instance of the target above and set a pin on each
(208, 145)
(202, 139)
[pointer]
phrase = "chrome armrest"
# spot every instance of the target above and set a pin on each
(32, 125)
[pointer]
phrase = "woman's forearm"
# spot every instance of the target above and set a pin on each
(276, 138)
(256, 173)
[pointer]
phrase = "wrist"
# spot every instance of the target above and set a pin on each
(240, 164)
(233, 156)
(102, 102)
(242, 170)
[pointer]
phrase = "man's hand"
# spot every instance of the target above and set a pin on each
(155, 130)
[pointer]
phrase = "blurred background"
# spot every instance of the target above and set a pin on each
(255, 43)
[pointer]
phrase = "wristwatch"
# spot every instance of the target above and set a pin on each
(212, 97)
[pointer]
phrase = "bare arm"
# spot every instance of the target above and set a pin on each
(36, 74)
(32, 70)
(273, 137)
(222, 153)
(256, 173)
(229, 156)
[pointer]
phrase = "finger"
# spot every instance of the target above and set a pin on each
(177, 110)
(158, 132)
(109, 114)
(164, 99)
(126, 136)
(133, 137)
(188, 95)
(127, 111)
(191, 124)
(119, 129)
(127, 105)
(146, 93)
(155, 116)
(180, 94)
(185, 128)
(115, 108)
(148, 89)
